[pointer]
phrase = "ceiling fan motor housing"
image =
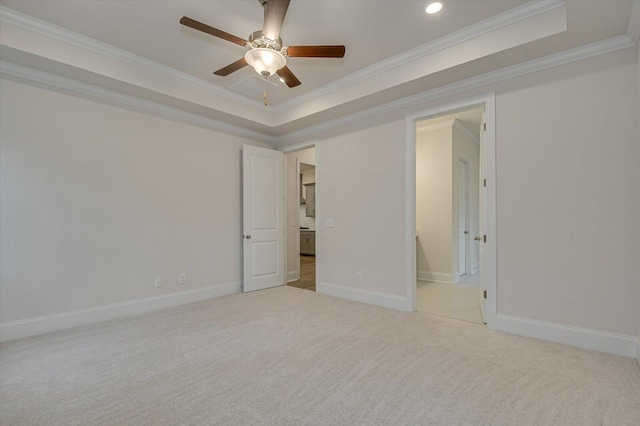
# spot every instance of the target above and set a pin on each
(256, 39)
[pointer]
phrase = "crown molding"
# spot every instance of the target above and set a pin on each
(300, 146)
(508, 17)
(290, 141)
(11, 16)
(583, 52)
(51, 80)
(633, 29)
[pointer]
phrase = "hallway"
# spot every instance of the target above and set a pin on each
(458, 301)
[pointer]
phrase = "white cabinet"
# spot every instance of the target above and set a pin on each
(308, 242)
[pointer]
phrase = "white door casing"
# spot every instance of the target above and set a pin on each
(482, 220)
(263, 218)
(488, 267)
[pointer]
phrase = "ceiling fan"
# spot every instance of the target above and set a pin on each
(267, 54)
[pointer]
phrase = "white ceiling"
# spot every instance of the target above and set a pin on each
(393, 49)
(370, 30)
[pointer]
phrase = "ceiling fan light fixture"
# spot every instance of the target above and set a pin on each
(434, 7)
(265, 61)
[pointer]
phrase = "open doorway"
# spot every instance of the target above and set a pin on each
(448, 208)
(301, 214)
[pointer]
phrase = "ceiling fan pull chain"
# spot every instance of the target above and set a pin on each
(265, 91)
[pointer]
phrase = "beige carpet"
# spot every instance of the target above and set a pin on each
(293, 357)
(457, 301)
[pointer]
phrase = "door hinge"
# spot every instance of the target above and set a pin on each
(485, 294)
(484, 183)
(484, 127)
(484, 237)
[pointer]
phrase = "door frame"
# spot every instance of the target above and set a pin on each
(287, 150)
(299, 162)
(488, 266)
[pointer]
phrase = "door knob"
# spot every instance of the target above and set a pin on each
(478, 238)
(248, 237)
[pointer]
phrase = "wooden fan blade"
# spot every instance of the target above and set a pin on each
(274, 13)
(316, 51)
(288, 77)
(240, 63)
(212, 31)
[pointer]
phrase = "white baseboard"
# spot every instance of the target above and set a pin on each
(363, 296)
(475, 268)
(12, 330)
(617, 344)
(438, 277)
(638, 349)
(293, 276)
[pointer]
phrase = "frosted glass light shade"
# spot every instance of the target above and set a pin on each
(265, 61)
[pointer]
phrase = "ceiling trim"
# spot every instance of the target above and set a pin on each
(306, 137)
(633, 29)
(300, 146)
(583, 52)
(501, 20)
(509, 17)
(34, 24)
(51, 80)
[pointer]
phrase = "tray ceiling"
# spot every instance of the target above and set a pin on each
(393, 49)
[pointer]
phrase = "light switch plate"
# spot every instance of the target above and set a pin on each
(328, 222)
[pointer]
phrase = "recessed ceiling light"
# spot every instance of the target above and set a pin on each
(434, 7)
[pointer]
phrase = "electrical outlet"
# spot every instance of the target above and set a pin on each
(359, 276)
(157, 282)
(182, 278)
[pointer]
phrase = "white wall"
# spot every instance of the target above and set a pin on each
(567, 199)
(434, 205)
(293, 210)
(98, 200)
(361, 178)
(567, 171)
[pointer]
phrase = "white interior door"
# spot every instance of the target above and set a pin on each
(263, 218)
(482, 219)
(462, 218)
